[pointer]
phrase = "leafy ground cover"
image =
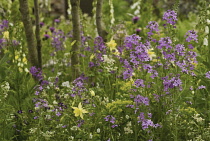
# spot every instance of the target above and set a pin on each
(148, 82)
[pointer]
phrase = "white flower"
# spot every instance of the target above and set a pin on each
(205, 42)
(208, 21)
(91, 136)
(66, 84)
(55, 102)
(74, 128)
(98, 130)
(207, 30)
(127, 116)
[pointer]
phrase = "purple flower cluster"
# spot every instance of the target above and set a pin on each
(139, 100)
(36, 72)
(172, 83)
(3, 25)
(132, 41)
(165, 43)
(153, 26)
(138, 54)
(146, 123)
(170, 16)
(180, 50)
(187, 64)
(208, 75)
(111, 119)
(58, 39)
(99, 51)
(139, 83)
(191, 35)
(79, 86)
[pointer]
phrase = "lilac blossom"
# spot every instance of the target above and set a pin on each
(36, 72)
(110, 118)
(153, 26)
(165, 42)
(139, 83)
(58, 39)
(191, 35)
(171, 83)
(180, 49)
(128, 73)
(202, 87)
(170, 16)
(208, 75)
(79, 86)
(139, 100)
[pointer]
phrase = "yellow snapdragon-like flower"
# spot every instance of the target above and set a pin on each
(151, 54)
(78, 111)
(112, 45)
(92, 57)
(6, 35)
(92, 93)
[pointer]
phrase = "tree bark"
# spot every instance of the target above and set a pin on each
(32, 51)
(76, 37)
(66, 6)
(101, 32)
(38, 40)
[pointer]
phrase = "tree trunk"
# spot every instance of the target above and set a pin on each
(76, 37)
(66, 6)
(101, 32)
(32, 51)
(38, 40)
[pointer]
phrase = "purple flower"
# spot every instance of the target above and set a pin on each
(19, 111)
(180, 49)
(191, 36)
(170, 16)
(128, 73)
(208, 75)
(58, 114)
(141, 100)
(41, 24)
(110, 118)
(36, 72)
(114, 125)
(81, 122)
(36, 117)
(165, 42)
(52, 29)
(135, 19)
(201, 87)
(91, 64)
(57, 20)
(139, 83)
(138, 31)
(46, 36)
(153, 26)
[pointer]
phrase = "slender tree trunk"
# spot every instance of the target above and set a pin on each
(101, 31)
(76, 36)
(32, 51)
(38, 40)
(66, 6)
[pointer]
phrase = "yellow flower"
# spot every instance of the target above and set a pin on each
(112, 45)
(6, 35)
(92, 56)
(151, 54)
(92, 93)
(78, 111)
